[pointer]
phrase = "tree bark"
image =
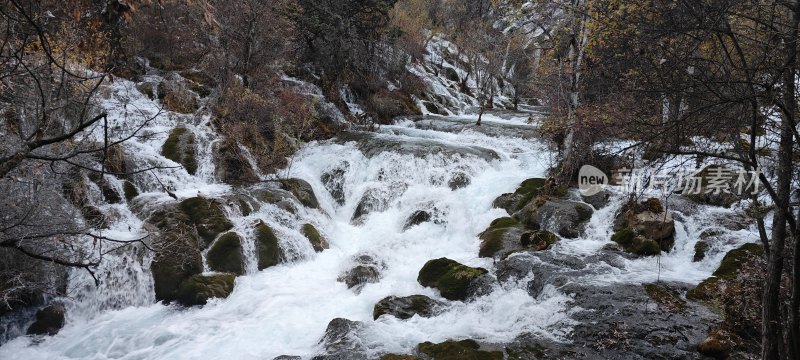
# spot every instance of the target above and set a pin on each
(772, 329)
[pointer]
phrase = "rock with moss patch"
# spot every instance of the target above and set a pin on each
(315, 238)
(208, 217)
(644, 228)
(231, 165)
(49, 320)
(302, 190)
(711, 290)
(458, 350)
(406, 307)
(180, 148)
(599, 200)
(506, 236)
(513, 202)
(130, 190)
(177, 259)
(267, 248)
(563, 217)
(700, 250)
(453, 280)
(665, 297)
(225, 255)
(177, 97)
(399, 357)
(718, 344)
(198, 289)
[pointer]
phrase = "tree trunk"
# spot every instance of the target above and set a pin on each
(576, 54)
(772, 330)
(480, 114)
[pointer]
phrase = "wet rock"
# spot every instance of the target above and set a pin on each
(614, 322)
(399, 357)
(710, 290)
(49, 320)
(302, 190)
(180, 148)
(342, 341)
(512, 202)
(288, 357)
(367, 270)
(514, 268)
(225, 255)
(372, 145)
(231, 165)
(333, 180)
(372, 201)
(418, 217)
(665, 297)
(198, 289)
(506, 236)
(563, 217)
(453, 280)
(540, 279)
(207, 216)
(94, 217)
(318, 242)
(599, 200)
(458, 350)
(130, 190)
(267, 249)
(700, 249)
(406, 307)
(177, 259)
(644, 229)
(718, 344)
(278, 197)
(459, 181)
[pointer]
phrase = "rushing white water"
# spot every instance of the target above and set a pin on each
(284, 310)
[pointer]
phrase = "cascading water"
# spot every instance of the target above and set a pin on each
(284, 310)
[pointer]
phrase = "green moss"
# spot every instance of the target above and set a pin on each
(207, 216)
(544, 236)
(226, 254)
(665, 297)
(700, 249)
(245, 208)
(709, 289)
(504, 222)
(491, 242)
(171, 268)
(183, 154)
(267, 247)
(458, 350)
(450, 277)
(528, 190)
(624, 237)
(312, 234)
(171, 148)
(130, 190)
(198, 289)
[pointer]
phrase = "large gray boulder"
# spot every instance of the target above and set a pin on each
(563, 217)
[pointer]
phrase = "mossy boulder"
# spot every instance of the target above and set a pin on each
(506, 236)
(302, 190)
(406, 307)
(644, 228)
(208, 217)
(529, 189)
(538, 240)
(267, 248)
(315, 238)
(636, 244)
(180, 148)
(177, 259)
(416, 218)
(176, 97)
(225, 255)
(719, 344)
(700, 250)
(130, 190)
(712, 290)
(49, 320)
(563, 217)
(452, 279)
(198, 289)
(458, 350)
(231, 165)
(366, 270)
